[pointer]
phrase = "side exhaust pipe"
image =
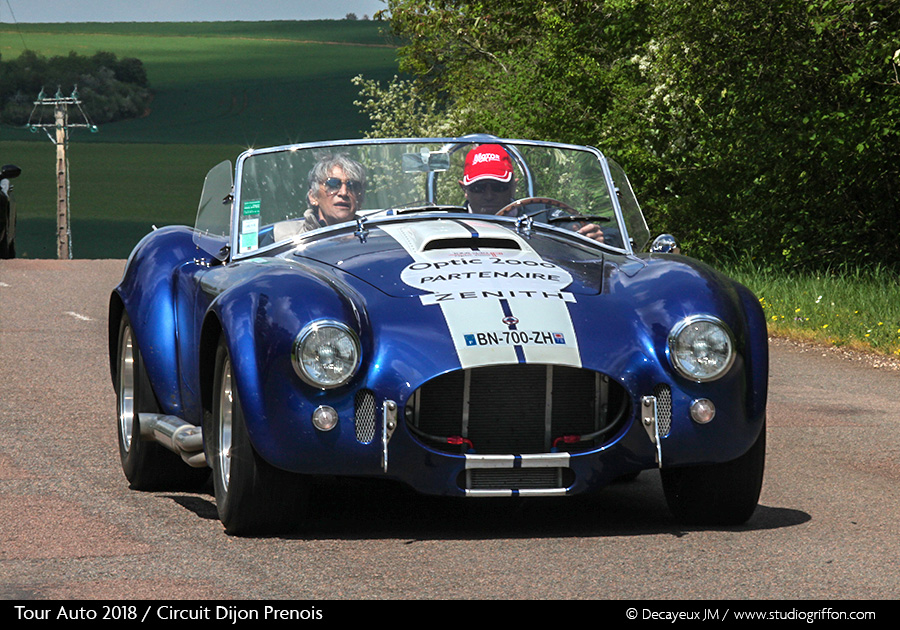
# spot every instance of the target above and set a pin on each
(177, 435)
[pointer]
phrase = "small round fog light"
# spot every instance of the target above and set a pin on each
(325, 418)
(703, 410)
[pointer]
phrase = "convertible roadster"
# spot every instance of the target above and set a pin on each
(352, 309)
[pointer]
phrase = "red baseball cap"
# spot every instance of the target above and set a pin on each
(488, 161)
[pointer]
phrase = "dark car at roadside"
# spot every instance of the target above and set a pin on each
(7, 212)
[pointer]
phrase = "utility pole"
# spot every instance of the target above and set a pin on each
(60, 138)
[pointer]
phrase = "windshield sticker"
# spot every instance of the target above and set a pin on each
(251, 207)
(249, 234)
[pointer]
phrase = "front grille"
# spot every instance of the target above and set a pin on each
(517, 409)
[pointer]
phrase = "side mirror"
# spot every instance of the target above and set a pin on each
(425, 162)
(665, 244)
(10, 171)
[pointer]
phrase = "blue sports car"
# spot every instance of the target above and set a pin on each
(474, 317)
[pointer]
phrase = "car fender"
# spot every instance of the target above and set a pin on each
(146, 294)
(662, 292)
(259, 319)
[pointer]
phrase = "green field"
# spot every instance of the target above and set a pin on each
(219, 87)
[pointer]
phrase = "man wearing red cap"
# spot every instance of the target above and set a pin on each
(488, 179)
(489, 185)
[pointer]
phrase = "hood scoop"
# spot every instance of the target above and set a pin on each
(477, 243)
(438, 237)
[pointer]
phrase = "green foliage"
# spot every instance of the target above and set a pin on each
(399, 109)
(766, 129)
(109, 88)
(511, 68)
(777, 122)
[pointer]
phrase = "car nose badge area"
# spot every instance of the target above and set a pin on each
(389, 424)
(650, 422)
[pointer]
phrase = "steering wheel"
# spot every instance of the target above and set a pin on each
(572, 219)
(520, 203)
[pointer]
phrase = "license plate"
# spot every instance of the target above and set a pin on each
(515, 338)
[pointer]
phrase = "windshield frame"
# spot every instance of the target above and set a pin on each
(628, 240)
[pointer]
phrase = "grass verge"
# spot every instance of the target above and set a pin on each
(855, 309)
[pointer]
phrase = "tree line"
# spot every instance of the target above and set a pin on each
(765, 130)
(109, 88)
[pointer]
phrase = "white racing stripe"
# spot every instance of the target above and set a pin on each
(503, 304)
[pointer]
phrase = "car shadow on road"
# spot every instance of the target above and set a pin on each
(365, 509)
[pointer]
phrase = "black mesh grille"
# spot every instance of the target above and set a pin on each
(517, 409)
(663, 408)
(507, 408)
(364, 416)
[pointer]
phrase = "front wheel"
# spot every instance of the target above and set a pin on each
(252, 496)
(146, 464)
(717, 494)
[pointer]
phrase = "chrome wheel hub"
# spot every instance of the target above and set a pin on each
(226, 413)
(126, 390)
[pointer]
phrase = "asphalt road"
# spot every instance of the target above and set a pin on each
(827, 526)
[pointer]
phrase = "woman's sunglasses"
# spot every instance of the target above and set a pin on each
(333, 185)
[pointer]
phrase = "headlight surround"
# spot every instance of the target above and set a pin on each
(326, 354)
(701, 348)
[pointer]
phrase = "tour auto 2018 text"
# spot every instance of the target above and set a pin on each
(165, 612)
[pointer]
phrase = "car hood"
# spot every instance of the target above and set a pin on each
(460, 257)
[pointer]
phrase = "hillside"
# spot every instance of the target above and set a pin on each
(249, 83)
(218, 87)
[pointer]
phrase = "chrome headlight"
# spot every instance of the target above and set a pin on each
(701, 348)
(326, 354)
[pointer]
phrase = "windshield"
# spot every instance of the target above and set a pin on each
(285, 192)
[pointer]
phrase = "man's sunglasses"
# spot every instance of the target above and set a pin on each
(333, 185)
(480, 187)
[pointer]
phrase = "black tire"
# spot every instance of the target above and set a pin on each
(717, 494)
(252, 496)
(146, 464)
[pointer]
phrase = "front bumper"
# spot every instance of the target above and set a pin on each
(377, 436)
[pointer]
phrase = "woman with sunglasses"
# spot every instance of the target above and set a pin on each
(489, 185)
(336, 188)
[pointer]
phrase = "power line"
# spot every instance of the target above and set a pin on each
(16, 23)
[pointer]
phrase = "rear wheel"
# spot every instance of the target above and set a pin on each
(252, 496)
(146, 464)
(717, 494)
